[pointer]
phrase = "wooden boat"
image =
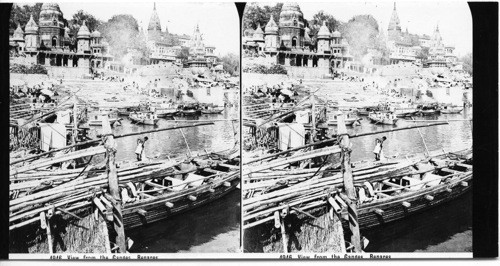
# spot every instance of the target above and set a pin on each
(96, 119)
(145, 118)
(405, 112)
(428, 110)
(451, 110)
(212, 110)
(349, 119)
(383, 118)
(388, 190)
(400, 196)
(168, 196)
(189, 110)
(150, 191)
(128, 110)
(365, 111)
(161, 113)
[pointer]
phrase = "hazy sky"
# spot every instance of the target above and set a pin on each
(454, 17)
(219, 22)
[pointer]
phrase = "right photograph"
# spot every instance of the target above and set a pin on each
(357, 127)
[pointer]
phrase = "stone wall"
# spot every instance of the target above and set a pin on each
(67, 72)
(30, 78)
(307, 72)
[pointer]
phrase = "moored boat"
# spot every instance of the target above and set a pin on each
(212, 110)
(451, 110)
(96, 119)
(146, 118)
(383, 118)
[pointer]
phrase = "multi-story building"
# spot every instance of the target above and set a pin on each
(167, 47)
(289, 42)
(49, 42)
(406, 47)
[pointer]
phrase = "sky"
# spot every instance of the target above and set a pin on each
(454, 17)
(219, 22)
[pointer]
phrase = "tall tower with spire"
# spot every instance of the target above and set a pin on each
(154, 26)
(394, 29)
(31, 36)
(271, 34)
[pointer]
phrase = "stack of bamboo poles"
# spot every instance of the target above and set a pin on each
(33, 192)
(272, 186)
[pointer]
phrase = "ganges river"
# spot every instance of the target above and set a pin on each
(214, 227)
(447, 228)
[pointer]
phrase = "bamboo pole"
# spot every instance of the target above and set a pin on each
(116, 137)
(185, 141)
(114, 189)
(423, 140)
(49, 236)
(349, 183)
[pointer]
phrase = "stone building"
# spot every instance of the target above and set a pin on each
(289, 43)
(406, 47)
(166, 47)
(48, 43)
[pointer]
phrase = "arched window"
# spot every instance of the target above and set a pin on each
(54, 41)
(294, 41)
(295, 23)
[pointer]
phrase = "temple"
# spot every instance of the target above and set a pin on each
(290, 43)
(419, 49)
(166, 47)
(49, 43)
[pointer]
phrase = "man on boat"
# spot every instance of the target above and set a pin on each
(139, 149)
(378, 147)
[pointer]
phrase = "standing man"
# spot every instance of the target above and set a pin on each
(378, 148)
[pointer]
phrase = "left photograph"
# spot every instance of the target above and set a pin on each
(124, 128)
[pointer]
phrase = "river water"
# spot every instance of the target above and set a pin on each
(214, 227)
(447, 228)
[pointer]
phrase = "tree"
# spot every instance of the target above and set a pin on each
(231, 64)
(122, 33)
(361, 32)
(255, 15)
(90, 21)
(317, 21)
(21, 14)
(467, 62)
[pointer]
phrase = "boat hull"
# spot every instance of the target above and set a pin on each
(157, 210)
(145, 121)
(444, 111)
(212, 111)
(383, 121)
(393, 210)
(99, 122)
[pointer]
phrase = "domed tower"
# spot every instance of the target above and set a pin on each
(336, 37)
(271, 34)
(83, 39)
(154, 26)
(96, 42)
(323, 37)
(31, 35)
(258, 35)
(51, 25)
(291, 25)
(18, 37)
(394, 29)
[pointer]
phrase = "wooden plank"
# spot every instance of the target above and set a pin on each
(234, 167)
(58, 159)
